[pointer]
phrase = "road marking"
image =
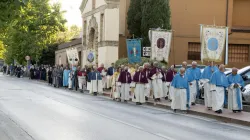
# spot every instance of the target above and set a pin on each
(166, 137)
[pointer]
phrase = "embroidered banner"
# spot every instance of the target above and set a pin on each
(160, 45)
(134, 50)
(72, 55)
(212, 43)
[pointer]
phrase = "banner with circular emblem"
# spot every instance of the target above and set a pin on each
(213, 40)
(91, 57)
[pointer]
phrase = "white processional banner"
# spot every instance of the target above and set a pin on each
(160, 45)
(212, 43)
(72, 55)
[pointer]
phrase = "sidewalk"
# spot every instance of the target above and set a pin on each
(227, 116)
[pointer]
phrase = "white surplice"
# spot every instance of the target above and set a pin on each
(157, 85)
(96, 86)
(232, 98)
(218, 96)
(193, 91)
(207, 93)
(165, 88)
(171, 92)
(139, 93)
(179, 99)
(125, 88)
(116, 88)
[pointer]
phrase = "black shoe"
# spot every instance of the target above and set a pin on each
(234, 111)
(159, 99)
(125, 101)
(209, 108)
(146, 98)
(166, 98)
(156, 100)
(137, 103)
(140, 103)
(174, 110)
(193, 103)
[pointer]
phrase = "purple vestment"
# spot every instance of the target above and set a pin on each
(140, 77)
(125, 77)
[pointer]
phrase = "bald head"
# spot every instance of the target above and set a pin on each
(234, 71)
(155, 64)
(184, 64)
(140, 68)
(182, 71)
(222, 68)
(194, 64)
(163, 68)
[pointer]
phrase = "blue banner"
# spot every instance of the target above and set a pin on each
(134, 50)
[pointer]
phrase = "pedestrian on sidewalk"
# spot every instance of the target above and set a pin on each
(116, 89)
(165, 84)
(96, 82)
(205, 81)
(66, 77)
(193, 75)
(82, 80)
(170, 76)
(147, 71)
(181, 96)
(141, 81)
(156, 78)
(50, 78)
(234, 91)
(219, 83)
(125, 80)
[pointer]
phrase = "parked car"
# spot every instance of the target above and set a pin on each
(246, 93)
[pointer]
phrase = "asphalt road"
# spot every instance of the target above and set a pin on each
(31, 110)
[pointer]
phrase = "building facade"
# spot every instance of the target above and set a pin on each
(189, 14)
(100, 31)
(61, 55)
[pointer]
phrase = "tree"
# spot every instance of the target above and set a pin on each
(134, 18)
(154, 14)
(32, 30)
(2, 49)
(151, 14)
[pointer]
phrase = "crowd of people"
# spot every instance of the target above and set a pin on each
(141, 83)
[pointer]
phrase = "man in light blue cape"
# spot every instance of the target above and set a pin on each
(193, 75)
(66, 77)
(219, 83)
(234, 93)
(205, 78)
(180, 99)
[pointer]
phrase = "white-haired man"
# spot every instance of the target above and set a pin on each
(180, 98)
(219, 83)
(234, 92)
(193, 75)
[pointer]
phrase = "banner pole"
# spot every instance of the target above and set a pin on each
(226, 55)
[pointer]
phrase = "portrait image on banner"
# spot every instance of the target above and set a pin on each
(212, 43)
(134, 50)
(160, 45)
(91, 57)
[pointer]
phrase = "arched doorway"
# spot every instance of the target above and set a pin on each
(93, 38)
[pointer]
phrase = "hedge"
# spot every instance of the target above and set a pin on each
(124, 61)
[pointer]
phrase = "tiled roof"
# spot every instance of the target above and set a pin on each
(71, 43)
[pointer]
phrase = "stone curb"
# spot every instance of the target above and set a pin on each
(192, 112)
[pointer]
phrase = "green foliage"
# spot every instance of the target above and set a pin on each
(149, 14)
(2, 50)
(124, 61)
(29, 33)
(134, 18)
(68, 34)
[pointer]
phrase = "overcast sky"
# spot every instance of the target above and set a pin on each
(73, 14)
